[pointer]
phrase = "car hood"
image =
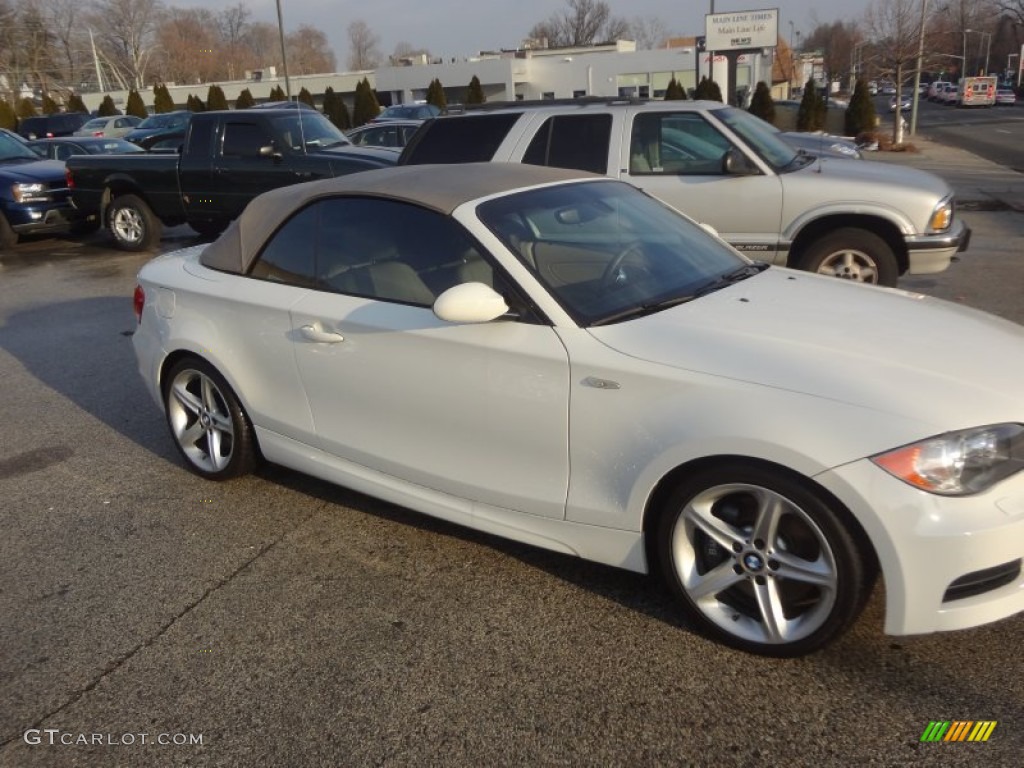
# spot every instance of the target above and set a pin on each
(867, 173)
(883, 349)
(34, 170)
(384, 156)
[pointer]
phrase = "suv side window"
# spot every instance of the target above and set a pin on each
(676, 143)
(459, 140)
(578, 142)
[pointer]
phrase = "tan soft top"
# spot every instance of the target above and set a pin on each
(441, 187)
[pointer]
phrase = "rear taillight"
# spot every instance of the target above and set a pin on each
(69, 180)
(97, 133)
(138, 302)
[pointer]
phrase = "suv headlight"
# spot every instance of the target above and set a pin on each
(30, 193)
(942, 217)
(958, 463)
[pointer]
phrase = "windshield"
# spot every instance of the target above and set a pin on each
(309, 128)
(13, 149)
(762, 137)
(607, 251)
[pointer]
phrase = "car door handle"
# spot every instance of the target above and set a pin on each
(314, 333)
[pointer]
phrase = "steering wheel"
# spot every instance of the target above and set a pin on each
(610, 276)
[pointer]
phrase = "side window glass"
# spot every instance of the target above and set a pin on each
(578, 142)
(200, 140)
(391, 251)
(677, 144)
(244, 139)
(288, 257)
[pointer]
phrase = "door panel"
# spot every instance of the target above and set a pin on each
(476, 411)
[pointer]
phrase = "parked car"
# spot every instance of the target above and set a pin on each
(862, 221)
(228, 158)
(62, 149)
(164, 141)
(560, 359)
(935, 90)
(900, 103)
(59, 124)
(393, 133)
(294, 104)
(407, 112)
(1005, 96)
(950, 95)
(159, 124)
(33, 194)
(111, 127)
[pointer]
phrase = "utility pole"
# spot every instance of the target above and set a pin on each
(917, 74)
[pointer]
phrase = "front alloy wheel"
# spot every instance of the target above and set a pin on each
(762, 562)
(208, 424)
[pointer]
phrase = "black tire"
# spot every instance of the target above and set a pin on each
(207, 423)
(133, 224)
(853, 254)
(8, 237)
(209, 228)
(761, 561)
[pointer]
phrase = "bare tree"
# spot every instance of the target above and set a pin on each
(128, 32)
(364, 52)
(404, 50)
(583, 22)
(308, 51)
(896, 26)
(189, 47)
(649, 32)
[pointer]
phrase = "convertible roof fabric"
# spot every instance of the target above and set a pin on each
(441, 187)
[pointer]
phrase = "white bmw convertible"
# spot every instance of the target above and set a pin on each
(563, 360)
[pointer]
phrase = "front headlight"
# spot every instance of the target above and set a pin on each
(958, 463)
(942, 217)
(29, 193)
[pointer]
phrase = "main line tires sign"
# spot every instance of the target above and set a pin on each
(739, 30)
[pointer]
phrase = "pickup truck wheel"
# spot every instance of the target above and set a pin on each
(8, 237)
(133, 224)
(853, 254)
(209, 228)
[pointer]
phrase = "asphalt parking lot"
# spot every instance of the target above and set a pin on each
(151, 618)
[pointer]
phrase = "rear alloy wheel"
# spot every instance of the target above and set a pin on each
(853, 254)
(760, 561)
(133, 224)
(207, 422)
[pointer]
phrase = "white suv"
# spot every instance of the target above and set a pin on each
(855, 219)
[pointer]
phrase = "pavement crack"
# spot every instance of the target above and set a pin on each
(123, 658)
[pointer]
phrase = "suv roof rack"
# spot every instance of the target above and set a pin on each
(583, 101)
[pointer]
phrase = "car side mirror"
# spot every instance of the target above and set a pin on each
(735, 163)
(269, 151)
(470, 303)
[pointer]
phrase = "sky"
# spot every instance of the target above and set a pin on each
(456, 28)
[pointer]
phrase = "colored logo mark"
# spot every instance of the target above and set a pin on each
(959, 730)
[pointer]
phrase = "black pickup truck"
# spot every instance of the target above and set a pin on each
(227, 159)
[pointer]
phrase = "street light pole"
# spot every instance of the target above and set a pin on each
(284, 55)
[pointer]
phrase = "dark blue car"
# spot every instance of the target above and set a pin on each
(33, 194)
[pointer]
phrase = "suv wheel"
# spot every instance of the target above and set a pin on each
(853, 254)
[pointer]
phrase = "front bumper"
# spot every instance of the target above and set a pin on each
(948, 562)
(927, 254)
(31, 219)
